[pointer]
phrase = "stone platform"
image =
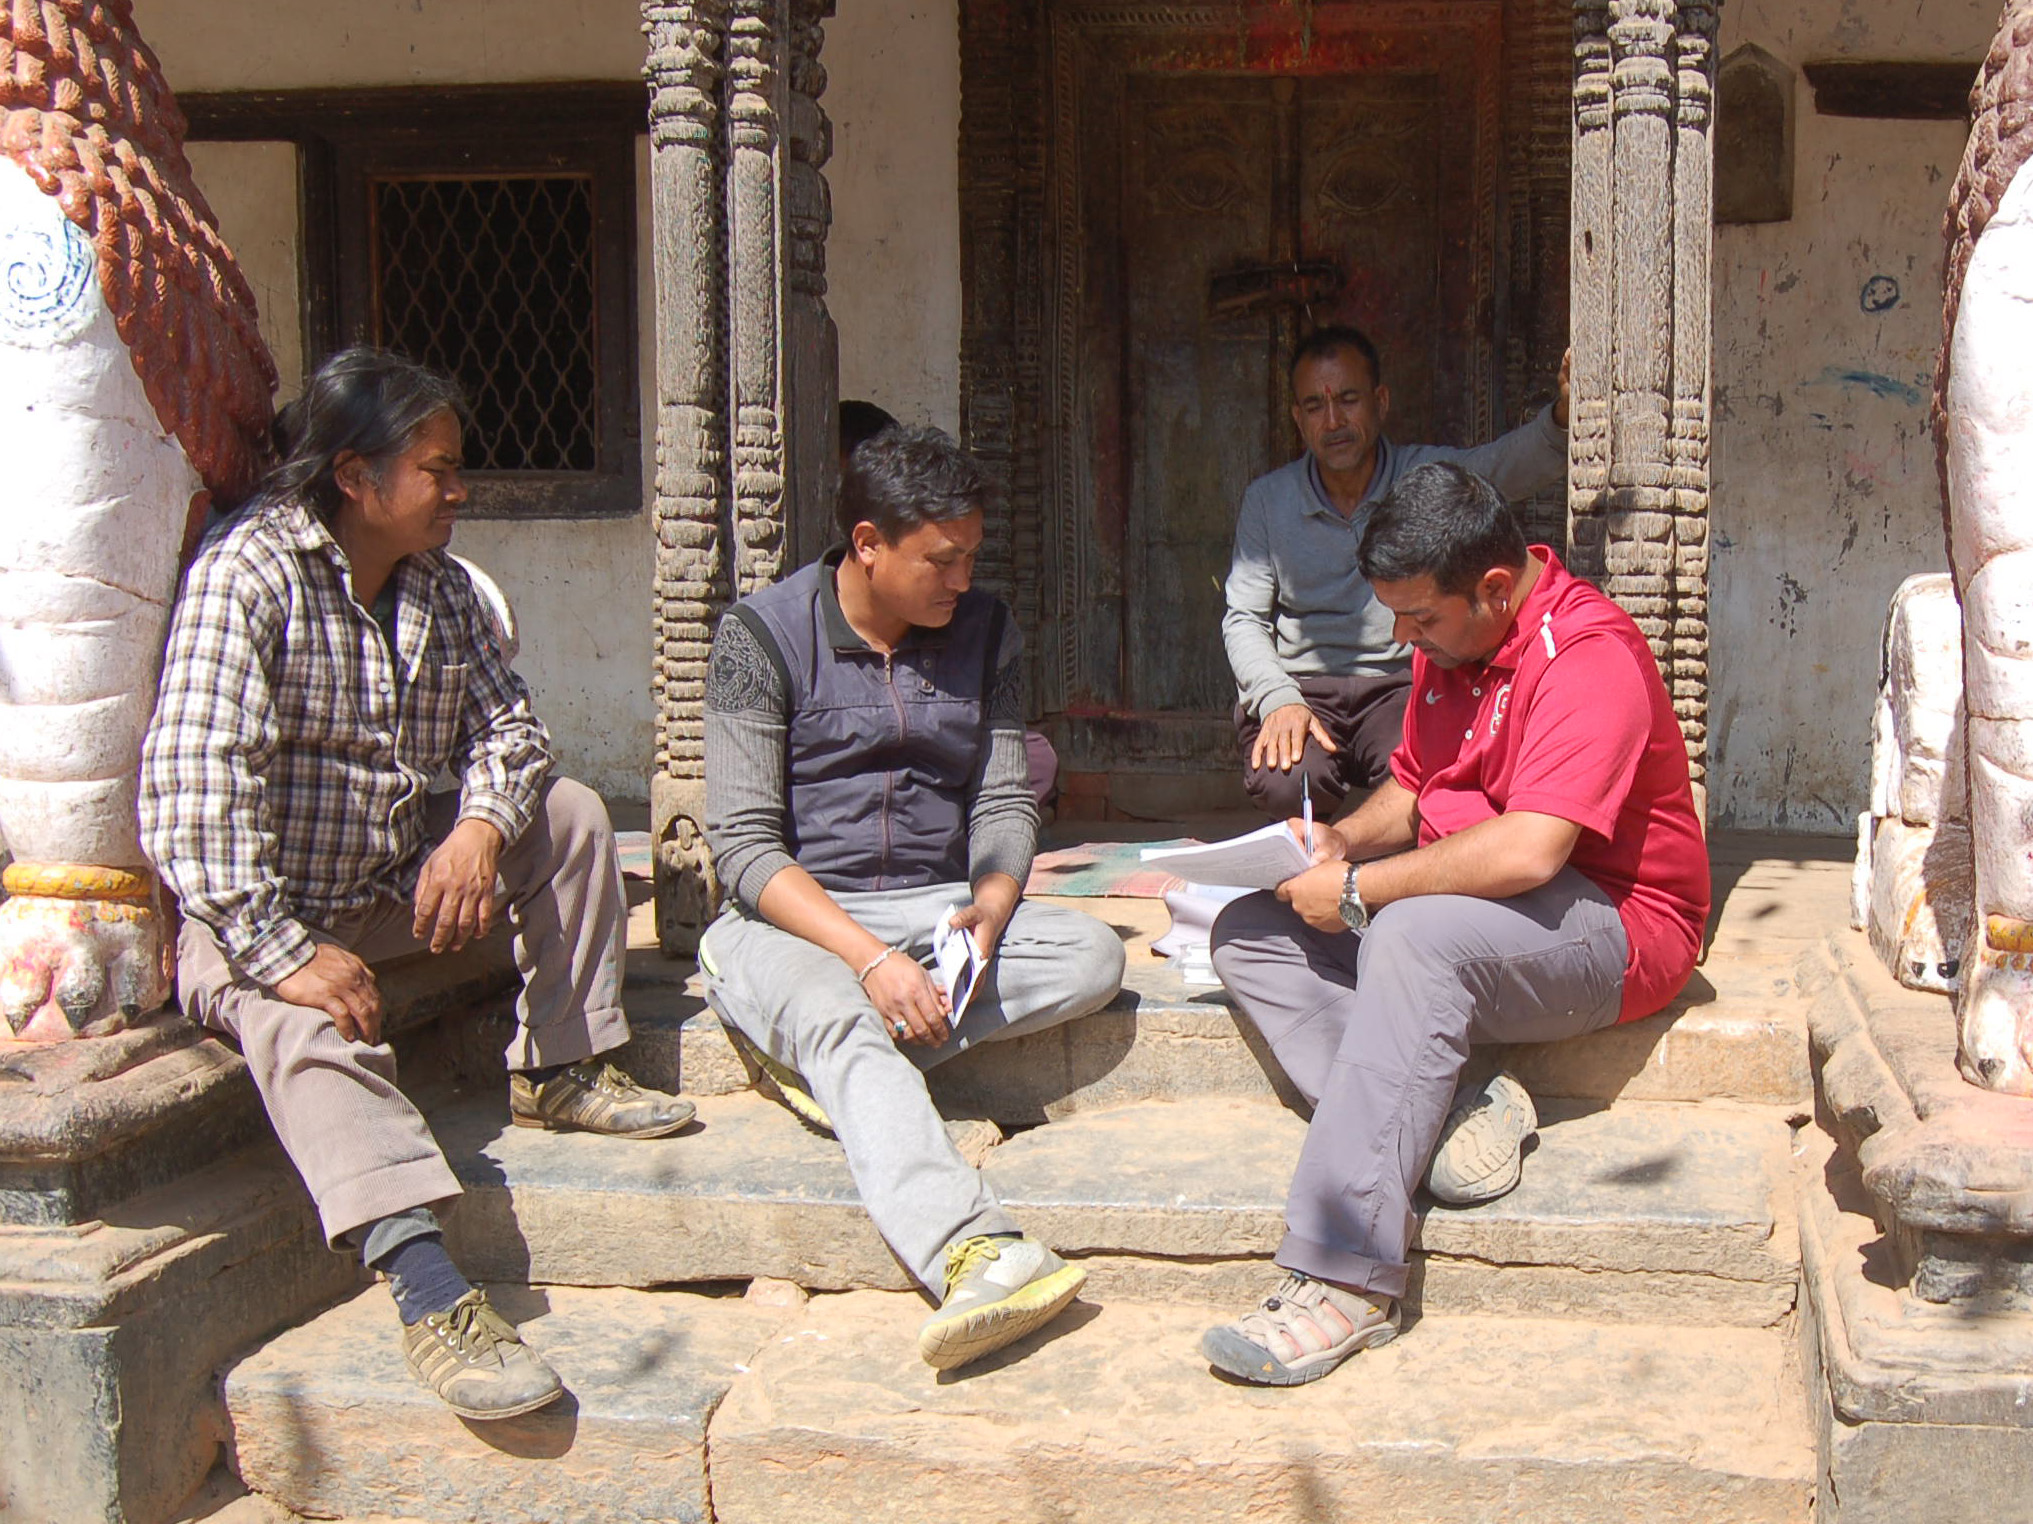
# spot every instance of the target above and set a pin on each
(1613, 1340)
(1640, 1285)
(1917, 1246)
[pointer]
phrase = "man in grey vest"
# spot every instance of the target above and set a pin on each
(1320, 682)
(865, 774)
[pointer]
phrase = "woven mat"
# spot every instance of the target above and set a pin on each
(1102, 868)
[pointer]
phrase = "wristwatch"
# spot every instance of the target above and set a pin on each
(1354, 914)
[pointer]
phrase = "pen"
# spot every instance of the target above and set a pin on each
(1306, 808)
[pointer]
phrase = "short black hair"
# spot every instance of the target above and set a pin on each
(1331, 340)
(860, 422)
(1442, 521)
(905, 477)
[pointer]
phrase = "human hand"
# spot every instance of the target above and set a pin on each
(904, 995)
(995, 901)
(1282, 740)
(1329, 845)
(1316, 895)
(455, 890)
(341, 986)
(1566, 375)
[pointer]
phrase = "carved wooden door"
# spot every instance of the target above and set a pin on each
(1223, 215)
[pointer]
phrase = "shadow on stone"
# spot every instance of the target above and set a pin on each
(543, 1435)
(1071, 1321)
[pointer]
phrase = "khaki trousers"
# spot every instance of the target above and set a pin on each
(364, 1151)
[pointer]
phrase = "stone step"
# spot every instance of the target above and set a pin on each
(1738, 1032)
(1638, 1211)
(825, 1413)
(329, 1422)
(1110, 1413)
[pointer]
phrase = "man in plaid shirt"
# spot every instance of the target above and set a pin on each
(326, 660)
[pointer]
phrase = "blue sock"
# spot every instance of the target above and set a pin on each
(422, 1278)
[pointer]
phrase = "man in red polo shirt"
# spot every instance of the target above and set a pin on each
(1533, 869)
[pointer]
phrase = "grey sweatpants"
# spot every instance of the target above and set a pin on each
(803, 1007)
(1373, 1031)
(363, 1149)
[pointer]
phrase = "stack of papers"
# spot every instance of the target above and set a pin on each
(1262, 859)
(1193, 912)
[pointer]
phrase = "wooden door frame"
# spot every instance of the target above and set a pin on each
(1019, 202)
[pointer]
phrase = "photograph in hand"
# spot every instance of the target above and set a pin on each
(957, 960)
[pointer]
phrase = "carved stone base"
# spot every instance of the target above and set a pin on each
(112, 1334)
(1915, 1404)
(1946, 1168)
(150, 1232)
(687, 888)
(85, 1124)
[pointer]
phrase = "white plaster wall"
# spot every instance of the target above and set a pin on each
(253, 189)
(893, 258)
(1825, 490)
(299, 44)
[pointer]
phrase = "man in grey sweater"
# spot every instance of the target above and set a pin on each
(1321, 685)
(865, 774)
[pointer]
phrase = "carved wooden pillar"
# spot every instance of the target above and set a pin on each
(1638, 462)
(755, 44)
(687, 196)
(811, 343)
(746, 375)
(1693, 314)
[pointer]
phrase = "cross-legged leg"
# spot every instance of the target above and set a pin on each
(1432, 976)
(802, 1006)
(1377, 1047)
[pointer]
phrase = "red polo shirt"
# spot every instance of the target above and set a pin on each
(1570, 718)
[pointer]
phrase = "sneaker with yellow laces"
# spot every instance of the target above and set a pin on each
(998, 1288)
(476, 1362)
(593, 1096)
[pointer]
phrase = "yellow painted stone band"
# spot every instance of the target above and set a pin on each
(2008, 934)
(74, 881)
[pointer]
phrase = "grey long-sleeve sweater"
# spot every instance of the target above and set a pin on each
(1297, 606)
(747, 790)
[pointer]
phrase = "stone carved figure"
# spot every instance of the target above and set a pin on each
(134, 391)
(1983, 404)
(1911, 890)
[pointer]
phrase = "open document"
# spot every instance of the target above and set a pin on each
(957, 960)
(1263, 859)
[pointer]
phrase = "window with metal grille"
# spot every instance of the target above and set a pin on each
(492, 280)
(490, 231)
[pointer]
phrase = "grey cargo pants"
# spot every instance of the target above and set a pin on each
(1373, 1031)
(802, 1006)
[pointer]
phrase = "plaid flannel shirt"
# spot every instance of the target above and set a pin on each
(284, 776)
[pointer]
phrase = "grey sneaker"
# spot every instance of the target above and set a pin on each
(473, 1358)
(1299, 1333)
(1481, 1150)
(997, 1290)
(595, 1096)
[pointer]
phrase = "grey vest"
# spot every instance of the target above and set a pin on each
(882, 755)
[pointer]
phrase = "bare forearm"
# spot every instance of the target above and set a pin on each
(793, 901)
(1491, 860)
(1387, 821)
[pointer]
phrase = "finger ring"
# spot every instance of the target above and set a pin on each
(901, 1028)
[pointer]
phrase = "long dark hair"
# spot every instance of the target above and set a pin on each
(362, 401)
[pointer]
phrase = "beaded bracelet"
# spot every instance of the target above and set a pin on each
(869, 967)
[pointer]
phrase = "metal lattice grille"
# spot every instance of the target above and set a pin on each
(492, 280)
